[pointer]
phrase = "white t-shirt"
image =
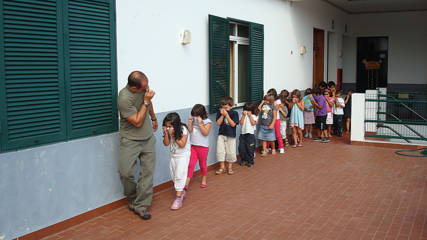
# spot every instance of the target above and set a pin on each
(176, 150)
(339, 110)
(197, 137)
(247, 126)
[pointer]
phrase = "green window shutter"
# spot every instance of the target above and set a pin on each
(219, 61)
(91, 67)
(31, 70)
(256, 61)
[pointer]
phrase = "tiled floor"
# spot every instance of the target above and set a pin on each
(319, 191)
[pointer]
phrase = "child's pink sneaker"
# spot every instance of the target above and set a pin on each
(177, 203)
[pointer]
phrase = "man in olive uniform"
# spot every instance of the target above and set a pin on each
(137, 123)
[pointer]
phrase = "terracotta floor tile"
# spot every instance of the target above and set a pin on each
(319, 191)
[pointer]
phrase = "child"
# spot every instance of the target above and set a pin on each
(322, 86)
(277, 132)
(297, 118)
(347, 110)
(338, 114)
(332, 87)
(175, 135)
(320, 113)
(267, 119)
(284, 94)
(227, 120)
(308, 113)
(330, 104)
(247, 146)
(199, 126)
(283, 115)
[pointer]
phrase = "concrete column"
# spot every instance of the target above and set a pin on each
(358, 117)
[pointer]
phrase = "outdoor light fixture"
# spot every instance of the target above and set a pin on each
(302, 50)
(185, 37)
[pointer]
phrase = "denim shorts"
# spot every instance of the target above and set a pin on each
(266, 134)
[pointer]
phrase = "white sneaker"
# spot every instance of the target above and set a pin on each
(281, 150)
(177, 203)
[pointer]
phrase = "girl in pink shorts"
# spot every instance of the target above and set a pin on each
(199, 126)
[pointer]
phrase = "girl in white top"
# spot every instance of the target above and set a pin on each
(277, 132)
(175, 135)
(200, 126)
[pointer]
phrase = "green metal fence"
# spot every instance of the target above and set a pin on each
(396, 116)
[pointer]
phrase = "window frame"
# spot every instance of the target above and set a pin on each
(219, 82)
(236, 41)
(63, 82)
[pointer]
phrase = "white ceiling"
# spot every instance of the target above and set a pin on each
(372, 6)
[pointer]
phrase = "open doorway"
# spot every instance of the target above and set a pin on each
(318, 56)
(372, 63)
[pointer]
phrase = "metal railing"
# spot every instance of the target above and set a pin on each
(396, 116)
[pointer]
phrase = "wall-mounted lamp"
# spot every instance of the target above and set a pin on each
(185, 37)
(302, 50)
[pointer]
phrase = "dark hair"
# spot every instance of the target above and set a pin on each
(323, 85)
(297, 93)
(199, 111)
(283, 95)
(307, 91)
(272, 92)
(251, 106)
(176, 123)
(326, 91)
(266, 97)
(339, 92)
(331, 84)
(316, 91)
(135, 78)
(226, 101)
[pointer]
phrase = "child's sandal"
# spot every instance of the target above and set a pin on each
(230, 171)
(220, 171)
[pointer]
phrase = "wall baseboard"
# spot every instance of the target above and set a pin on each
(73, 221)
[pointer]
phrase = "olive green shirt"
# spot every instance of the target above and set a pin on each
(129, 103)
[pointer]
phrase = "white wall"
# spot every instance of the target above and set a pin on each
(148, 31)
(332, 57)
(407, 43)
(358, 117)
(349, 59)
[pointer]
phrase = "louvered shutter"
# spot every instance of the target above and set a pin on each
(91, 67)
(31, 67)
(256, 61)
(219, 61)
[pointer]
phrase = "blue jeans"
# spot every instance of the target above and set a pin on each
(338, 124)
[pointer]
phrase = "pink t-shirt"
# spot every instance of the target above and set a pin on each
(329, 108)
